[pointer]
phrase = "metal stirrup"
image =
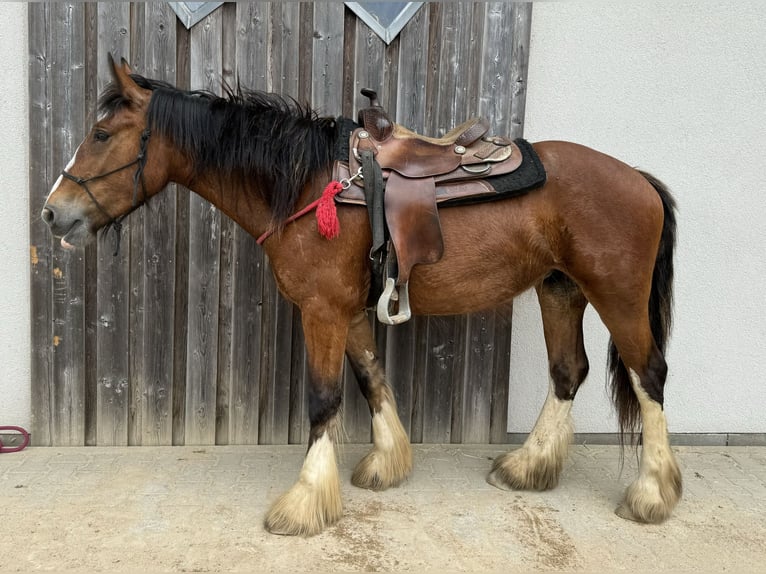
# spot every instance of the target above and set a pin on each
(400, 295)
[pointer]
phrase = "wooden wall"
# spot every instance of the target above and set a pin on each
(183, 338)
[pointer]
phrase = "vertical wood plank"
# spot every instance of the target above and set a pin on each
(204, 253)
(442, 358)
(90, 293)
(369, 67)
(413, 72)
(226, 309)
(327, 58)
(68, 119)
(349, 64)
(135, 238)
(247, 303)
(158, 279)
(181, 299)
(257, 331)
(246, 341)
(40, 178)
(521, 26)
(113, 275)
(498, 421)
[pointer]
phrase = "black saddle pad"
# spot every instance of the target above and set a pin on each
(528, 176)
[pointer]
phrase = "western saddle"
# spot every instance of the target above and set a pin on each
(418, 172)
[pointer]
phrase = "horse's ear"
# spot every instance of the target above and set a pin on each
(125, 66)
(122, 77)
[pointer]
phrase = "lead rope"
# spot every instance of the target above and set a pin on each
(138, 177)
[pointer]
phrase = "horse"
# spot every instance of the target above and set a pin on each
(597, 232)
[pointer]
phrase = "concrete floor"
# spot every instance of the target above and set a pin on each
(201, 509)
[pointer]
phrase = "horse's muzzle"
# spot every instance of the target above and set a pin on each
(70, 227)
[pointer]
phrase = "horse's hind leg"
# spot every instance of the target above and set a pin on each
(390, 460)
(314, 500)
(537, 464)
(657, 490)
(641, 375)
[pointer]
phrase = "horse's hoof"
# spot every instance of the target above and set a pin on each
(653, 515)
(494, 478)
(286, 520)
(305, 510)
(382, 470)
(519, 470)
(283, 525)
(645, 512)
(651, 498)
(623, 511)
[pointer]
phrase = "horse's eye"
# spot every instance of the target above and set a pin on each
(100, 136)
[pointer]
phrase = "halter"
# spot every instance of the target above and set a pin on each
(138, 177)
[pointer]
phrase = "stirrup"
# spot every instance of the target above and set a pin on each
(391, 293)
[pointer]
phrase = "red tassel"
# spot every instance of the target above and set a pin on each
(327, 214)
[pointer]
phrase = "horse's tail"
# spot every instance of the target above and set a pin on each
(660, 315)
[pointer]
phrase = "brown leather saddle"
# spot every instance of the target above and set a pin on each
(419, 173)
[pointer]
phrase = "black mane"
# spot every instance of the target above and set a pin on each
(272, 142)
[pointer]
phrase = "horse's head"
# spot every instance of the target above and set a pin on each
(108, 176)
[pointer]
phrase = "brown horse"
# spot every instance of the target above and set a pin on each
(597, 232)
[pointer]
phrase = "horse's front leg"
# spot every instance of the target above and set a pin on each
(390, 460)
(314, 501)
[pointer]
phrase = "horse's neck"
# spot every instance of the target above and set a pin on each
(245, 206)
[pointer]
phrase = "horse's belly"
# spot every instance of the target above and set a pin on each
(461, 284)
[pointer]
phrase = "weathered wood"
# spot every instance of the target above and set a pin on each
(133, 235)
(327, 58)
(40, 248)
(413, 71)
(181, 299)
(256, 330)
(521, 26)
(498, 415)
(68, 120)
(90, 288)
(204, 261)
(113, 279)
(226, 309)
(248, 261)
(158, 280)
(184, 338)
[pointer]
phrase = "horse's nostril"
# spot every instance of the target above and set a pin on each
(48, 215)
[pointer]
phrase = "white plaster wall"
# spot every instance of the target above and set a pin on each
(677, 89)
(14, 226)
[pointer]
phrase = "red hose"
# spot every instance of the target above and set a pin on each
(19, 430)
